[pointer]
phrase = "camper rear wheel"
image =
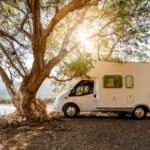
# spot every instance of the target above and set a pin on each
(140, 112)
(71, 110)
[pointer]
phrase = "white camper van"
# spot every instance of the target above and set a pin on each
(116, 87)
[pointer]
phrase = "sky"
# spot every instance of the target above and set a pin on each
(2, 85)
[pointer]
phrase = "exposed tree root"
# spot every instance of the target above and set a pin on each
(36, 110)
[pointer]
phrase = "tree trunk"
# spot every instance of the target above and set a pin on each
(30, 107)
(25, 101)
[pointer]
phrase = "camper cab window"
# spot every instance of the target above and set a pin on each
(112, 81)
(129, 81)
(84, 87)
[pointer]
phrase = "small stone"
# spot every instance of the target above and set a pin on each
(9, 121)
(24, 128)
(19, 120)
(116, 147)
(3, 141)
(148, 131)
(24, 119)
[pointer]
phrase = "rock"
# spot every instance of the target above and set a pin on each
(3, 141)
(24, 119)
(14, 118)
(9, 120)
(51, 133)
(24, 128)
(148, 131)
(116, 147)
(19, 120)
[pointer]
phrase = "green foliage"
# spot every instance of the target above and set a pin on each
(126, 21)
(5, 101)
(12, 15)
(115, 59)
(129, 25)
(46, 100)
(49, 100)
(81, 65)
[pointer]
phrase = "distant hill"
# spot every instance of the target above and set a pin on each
(45, 91)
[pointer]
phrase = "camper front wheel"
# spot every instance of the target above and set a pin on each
(71, 110)
(139, 113)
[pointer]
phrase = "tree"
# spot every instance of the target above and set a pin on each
(47, 31)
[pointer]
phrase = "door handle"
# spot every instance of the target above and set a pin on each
(94, 95)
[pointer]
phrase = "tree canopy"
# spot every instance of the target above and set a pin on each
(48, 38)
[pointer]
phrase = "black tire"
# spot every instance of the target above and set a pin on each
(139, 113)
(72, 106)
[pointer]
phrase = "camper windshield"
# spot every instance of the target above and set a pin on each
(84, 87)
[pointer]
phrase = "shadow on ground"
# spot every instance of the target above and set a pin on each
(82, 133)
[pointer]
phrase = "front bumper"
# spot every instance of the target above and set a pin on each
(57, 108)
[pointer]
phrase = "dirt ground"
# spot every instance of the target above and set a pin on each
(82, 133)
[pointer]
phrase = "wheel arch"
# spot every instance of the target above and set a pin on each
(69, 103)
(145, 107)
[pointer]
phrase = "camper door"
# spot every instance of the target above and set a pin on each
(83, 95)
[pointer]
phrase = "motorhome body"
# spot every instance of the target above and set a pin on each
(118, 87)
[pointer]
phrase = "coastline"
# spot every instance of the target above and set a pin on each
(6, 109)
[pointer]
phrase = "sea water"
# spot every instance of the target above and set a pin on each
(6, 109)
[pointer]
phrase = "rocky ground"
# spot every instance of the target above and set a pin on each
(83, 133)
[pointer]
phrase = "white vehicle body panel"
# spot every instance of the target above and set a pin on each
(123, 97)
(113, 98)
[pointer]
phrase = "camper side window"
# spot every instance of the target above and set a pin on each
(112, 81)
(129, 81)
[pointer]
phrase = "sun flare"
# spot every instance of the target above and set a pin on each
(82, 36)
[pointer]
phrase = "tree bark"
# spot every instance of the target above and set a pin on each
(33, 108)
(25, 99)
(11, 90)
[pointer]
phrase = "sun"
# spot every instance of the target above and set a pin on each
(82, 35)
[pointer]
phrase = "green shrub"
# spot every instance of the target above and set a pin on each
(5, 101)
(46, 100)
(49, 100)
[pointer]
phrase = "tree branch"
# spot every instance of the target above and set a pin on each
(56, 6)
(75, 4)
(63, 50)
(2, 33)
(11, 62)
(18, 59)
(8, 2)
(11, 76)
(22, 25)
(29, 5)
(59, 80)
(98, 52)
(9, 85)
(48, 6)
(114, 45)
(35, 7)
(112, 49)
